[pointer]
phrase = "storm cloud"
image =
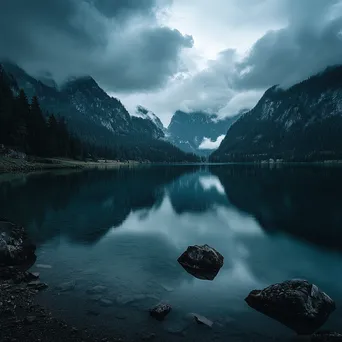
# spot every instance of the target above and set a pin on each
(311, 41)
(119, 43)
(293, 39)
(218, 56)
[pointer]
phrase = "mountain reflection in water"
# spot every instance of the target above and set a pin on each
(125, 229)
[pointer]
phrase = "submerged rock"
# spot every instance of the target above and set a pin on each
(160, 311)
(326, 336)
(203, 320)
(203, 262)
(96, 290)
(297, 304)
(37, 285)
(177, 327)
(167, 288)
(47, 267)
(15, 247)
(67, 286)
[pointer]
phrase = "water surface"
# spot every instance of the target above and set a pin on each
(124, 230)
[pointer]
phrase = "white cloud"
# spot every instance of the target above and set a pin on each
(243, 47)
(240, 101)
(208, 144)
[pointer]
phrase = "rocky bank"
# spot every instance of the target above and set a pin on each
(21, 319)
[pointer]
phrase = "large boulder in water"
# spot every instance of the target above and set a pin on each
(297, 304)
(160, 311)
(203, 262)
(15, 247)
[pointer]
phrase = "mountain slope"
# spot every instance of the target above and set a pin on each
(98, 119)
(187, 130)
(144, 113)
(302, 123)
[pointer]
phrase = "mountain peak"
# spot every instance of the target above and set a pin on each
(144, 113)
(81, 83)
(189, 130)
(142, 110)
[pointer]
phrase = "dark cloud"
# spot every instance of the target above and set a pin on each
(117, 42)
(111, 8)
(311, 42)
(146, 59)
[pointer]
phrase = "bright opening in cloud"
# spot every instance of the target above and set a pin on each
(208, 144)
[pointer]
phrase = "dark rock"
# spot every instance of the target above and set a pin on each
(30, 319)
(18, 276)
(74, 330)
(297, 304)
(160, 311)
(148, 336)
(326, 336)
(37, 285)
(15, 247)
(203, 320)
(21, 277)
(203, 262)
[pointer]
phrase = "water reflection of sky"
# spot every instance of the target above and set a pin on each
(144, 230)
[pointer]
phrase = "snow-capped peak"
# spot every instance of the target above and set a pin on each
(144, 113)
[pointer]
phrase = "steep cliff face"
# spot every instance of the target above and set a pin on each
(187, 130)
(90, 111)
(303, 122)
(144, 113)
(98, 119)
(94, 104)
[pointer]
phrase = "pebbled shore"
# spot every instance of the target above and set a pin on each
(21, 320)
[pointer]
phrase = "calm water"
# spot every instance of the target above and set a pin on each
(124, 229)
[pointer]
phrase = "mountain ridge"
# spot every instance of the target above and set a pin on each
(188, 130)
(97, 118)
(301, 123)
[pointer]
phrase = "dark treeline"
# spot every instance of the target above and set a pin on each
(24, 126)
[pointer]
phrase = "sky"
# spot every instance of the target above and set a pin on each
(217, 56)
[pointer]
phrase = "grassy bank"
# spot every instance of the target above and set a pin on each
(8, 164)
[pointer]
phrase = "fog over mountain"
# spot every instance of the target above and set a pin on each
(167, 55)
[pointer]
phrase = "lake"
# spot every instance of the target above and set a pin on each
(124, 229)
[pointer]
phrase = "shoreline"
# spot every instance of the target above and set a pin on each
(9, 165)
(23, 320)
(13, 165)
